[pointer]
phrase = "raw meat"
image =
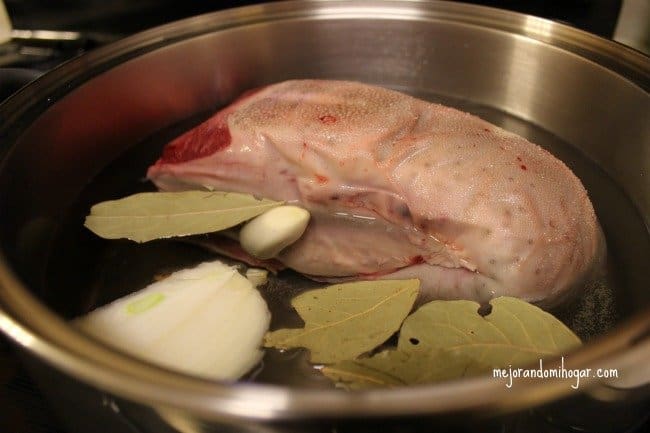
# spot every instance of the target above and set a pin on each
(398, 187)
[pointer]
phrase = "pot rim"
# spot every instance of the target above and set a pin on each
(34, 327)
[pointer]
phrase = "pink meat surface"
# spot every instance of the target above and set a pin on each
(398, 187)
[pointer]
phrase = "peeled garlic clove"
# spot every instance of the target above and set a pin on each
(266, 235)
(207, 321)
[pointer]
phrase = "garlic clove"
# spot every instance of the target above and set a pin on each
(266, 235)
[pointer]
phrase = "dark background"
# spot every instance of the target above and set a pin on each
(596, 16)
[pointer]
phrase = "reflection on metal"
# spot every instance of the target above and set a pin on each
(539, 27)
(45, 35)
(521, 91)
(633, 26)
(16, 332)
(5, 24)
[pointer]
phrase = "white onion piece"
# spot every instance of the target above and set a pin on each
(207, 321)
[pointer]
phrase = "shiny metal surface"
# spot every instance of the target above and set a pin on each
(62, 130)
(633, 25)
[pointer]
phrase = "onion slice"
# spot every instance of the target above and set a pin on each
(207, 321)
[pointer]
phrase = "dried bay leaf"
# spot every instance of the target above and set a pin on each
(383, 370)
(514, 333)
(446, 340)
(154, 215)
(392, 368)
(343, 321)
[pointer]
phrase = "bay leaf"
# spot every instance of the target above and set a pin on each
(446, 340)
(383, 370)
(154, 215)
(343, 321)
(514, 333)
(392, 368)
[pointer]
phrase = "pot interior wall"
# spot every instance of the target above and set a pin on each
(594, 119)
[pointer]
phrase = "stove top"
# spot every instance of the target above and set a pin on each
(77, 26)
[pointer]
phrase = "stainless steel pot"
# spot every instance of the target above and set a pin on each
(62, 130)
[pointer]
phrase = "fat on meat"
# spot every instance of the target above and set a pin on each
(398, 187)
